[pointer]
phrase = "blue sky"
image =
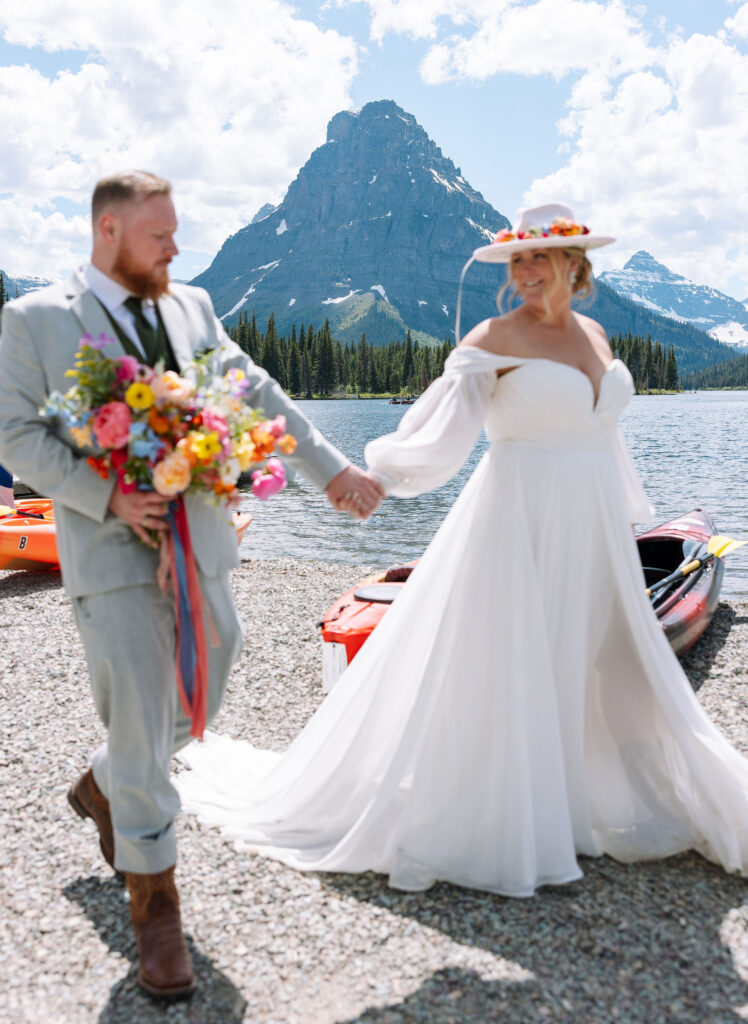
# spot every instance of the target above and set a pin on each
(636, 114)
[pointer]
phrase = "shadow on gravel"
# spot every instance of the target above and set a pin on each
(698, 661)
(216, 1001)
(17, 584)
(639, 944)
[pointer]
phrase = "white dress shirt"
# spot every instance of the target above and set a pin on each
(112, 296)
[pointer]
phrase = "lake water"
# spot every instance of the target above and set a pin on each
(690, 449)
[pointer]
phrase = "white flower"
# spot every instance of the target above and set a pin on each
(230, 471)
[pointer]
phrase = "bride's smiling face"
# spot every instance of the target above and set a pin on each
(542, 276)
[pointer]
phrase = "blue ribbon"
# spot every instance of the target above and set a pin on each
(186, 654)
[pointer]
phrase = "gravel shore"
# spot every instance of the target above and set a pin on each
(652, 943)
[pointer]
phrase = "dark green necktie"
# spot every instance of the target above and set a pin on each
(147, 334)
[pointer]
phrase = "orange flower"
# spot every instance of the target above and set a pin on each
(287, 444)
(98, 466)
(263, 441)
(184, 447)
(158, 423)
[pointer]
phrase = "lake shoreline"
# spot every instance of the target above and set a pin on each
(273, 945)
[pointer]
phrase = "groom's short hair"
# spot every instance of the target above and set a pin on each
(126, 187)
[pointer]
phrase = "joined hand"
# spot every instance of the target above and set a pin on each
(355, 492)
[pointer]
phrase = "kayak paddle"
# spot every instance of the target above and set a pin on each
(717, 547)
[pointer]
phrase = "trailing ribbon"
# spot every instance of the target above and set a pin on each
(192, 647)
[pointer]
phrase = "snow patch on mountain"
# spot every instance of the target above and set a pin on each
(340, 298)
(379, 288)
(282, 227)
(731, 334)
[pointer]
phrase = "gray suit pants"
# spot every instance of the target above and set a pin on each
(130, 641)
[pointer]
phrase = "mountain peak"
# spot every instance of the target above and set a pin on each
(371, 234)
(344, 123)
(642, 259)
(652, 284)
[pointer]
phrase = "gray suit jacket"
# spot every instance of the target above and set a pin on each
(38, 343)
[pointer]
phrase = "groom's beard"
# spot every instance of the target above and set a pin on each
(148, 284)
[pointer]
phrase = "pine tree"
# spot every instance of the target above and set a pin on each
(408, 361)
(671, 373)
(270, 358)
(294, 368)
(362, 365)
(324, 365)
(306, 374)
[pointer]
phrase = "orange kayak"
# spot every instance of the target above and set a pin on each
(27, 537)
(28, 541)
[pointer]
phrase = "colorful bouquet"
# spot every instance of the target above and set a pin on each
(170, 433)
(174, 434)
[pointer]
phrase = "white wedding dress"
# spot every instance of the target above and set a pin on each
(519, 704)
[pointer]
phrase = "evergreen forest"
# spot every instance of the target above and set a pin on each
(311, 363)
(721, 376)
(653, 367)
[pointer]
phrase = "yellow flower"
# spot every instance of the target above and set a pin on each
(139, 396)
(172, 475)
(246, 453)
(206, 446)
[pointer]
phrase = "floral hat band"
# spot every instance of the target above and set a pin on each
(559, 226)
(550, 226)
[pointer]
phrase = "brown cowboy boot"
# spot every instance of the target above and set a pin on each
(88, 801)
(165, 964)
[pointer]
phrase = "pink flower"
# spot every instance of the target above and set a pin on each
(213, 420)
(171, 389)
(266, 483)
(276, 427)
(111, 425)
(127, 367)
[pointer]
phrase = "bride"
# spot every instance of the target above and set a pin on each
(518, 705)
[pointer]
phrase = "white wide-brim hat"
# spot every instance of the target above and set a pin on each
(551, 226)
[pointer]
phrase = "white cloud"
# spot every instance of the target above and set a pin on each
(658, 160)
(738, 24)
(421, 20)
(227, 104)
(653, 144)
(552, 37)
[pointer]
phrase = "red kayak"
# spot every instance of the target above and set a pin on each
(684, 611)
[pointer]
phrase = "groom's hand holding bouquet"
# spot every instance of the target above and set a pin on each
(163, 435)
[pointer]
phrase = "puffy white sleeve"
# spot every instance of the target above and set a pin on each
(637, 503)
(435, 436)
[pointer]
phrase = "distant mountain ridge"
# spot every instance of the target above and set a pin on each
(17, 286)
(643, 279)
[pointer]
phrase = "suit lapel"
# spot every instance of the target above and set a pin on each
(177, 329)
(89, 312)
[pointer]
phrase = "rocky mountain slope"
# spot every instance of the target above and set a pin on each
(372, 235)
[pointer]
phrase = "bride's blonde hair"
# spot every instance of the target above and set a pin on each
(581, 285)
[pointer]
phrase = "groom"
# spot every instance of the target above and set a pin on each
(104, 536)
